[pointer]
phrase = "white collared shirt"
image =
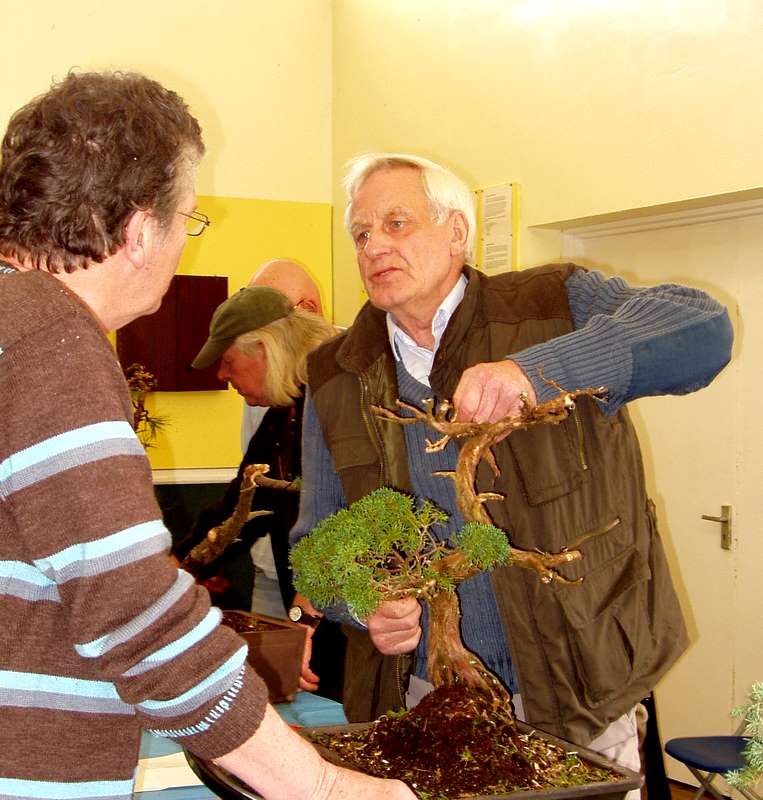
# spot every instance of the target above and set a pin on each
(416, 359)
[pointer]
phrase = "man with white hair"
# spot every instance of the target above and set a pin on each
(578, 658)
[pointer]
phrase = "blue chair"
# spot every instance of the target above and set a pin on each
(706, 757)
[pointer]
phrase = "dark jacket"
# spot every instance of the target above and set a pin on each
(584, 654)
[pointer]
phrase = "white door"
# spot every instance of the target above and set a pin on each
(703, 451)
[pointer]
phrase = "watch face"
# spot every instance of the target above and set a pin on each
(295, 613)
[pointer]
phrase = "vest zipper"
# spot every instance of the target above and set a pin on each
(373, 431)
(581, 442)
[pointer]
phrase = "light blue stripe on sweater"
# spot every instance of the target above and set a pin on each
(203, 692)
(38, 690)
(22, 571)
(66, 451)
(86, 559)
(19, 579)
(19, 789)
(125, 632)
(179, 646)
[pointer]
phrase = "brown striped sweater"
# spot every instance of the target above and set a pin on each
(100, 634)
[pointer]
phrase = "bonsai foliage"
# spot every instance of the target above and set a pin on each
(382, 548)
(752, 712)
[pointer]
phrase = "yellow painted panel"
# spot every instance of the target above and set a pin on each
(203, 427)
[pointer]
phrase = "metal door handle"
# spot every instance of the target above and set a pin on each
(725, 520)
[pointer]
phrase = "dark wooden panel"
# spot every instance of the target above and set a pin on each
(166, 342)
(197, 299)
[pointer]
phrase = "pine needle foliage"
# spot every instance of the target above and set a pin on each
(752, 712)
(381, 548)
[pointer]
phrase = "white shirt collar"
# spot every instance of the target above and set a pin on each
(416, 359)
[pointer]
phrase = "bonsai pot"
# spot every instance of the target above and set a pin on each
(622, 779)
(228, 787)
(276, 648)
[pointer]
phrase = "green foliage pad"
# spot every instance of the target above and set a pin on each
(382, 548)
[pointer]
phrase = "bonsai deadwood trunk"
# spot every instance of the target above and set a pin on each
(479, 437)
(448, 660)
(221, 536)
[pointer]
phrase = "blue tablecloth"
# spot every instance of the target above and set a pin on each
(307, 710)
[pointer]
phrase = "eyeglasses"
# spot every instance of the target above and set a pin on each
(195, 223)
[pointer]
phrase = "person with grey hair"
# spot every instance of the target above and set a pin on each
(578, 658)
(261, 342)
(103, 636)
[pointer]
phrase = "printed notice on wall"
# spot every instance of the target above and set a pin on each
(495, 224)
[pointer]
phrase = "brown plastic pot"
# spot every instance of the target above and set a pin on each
(276, 648)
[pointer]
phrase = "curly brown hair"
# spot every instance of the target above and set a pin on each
(78, 160)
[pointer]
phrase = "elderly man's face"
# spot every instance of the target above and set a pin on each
(408, 263)
(246, 374)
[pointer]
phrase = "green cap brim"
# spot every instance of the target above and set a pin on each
(247, 310)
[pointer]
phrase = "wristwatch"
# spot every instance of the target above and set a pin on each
(298, 614)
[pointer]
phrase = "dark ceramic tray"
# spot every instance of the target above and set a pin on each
(609, 790)
(228, 787)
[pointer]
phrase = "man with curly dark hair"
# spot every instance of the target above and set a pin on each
(102, 636)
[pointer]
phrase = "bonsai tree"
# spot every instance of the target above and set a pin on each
(141, 383)
(478, 439)
(219, 538)
(382, 547)
(461, 739)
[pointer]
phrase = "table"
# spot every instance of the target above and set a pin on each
(162, 761)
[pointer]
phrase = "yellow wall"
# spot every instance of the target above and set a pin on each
(592, 106)
(203, 427)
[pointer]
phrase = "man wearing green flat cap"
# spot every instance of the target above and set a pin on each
(247, 310)
(261, 342)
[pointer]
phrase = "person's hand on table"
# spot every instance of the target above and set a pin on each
(280, 764)
(350, 785)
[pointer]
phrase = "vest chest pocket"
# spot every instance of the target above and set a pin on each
(353, 451)
(550, 460)
(357, 464)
